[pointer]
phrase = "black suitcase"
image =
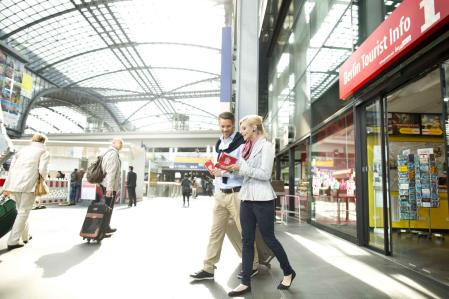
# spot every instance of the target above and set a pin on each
(8, 213)
(96, 221)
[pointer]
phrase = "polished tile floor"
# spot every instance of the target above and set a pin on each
(159, 243)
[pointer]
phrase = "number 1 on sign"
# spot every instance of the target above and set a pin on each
(430, 17)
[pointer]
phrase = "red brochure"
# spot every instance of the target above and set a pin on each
(210, 166)
(225, 160)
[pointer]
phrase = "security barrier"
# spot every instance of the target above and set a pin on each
(59, 192)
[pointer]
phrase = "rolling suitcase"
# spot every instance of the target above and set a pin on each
(96, 221)
(8, 213)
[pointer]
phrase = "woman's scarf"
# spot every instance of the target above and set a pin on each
(247, 149)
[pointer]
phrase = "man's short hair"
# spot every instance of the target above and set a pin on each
(227, 115)
(132, 168)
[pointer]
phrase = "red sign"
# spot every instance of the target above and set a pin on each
(409, 24)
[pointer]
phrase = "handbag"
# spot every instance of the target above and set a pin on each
(41, 187)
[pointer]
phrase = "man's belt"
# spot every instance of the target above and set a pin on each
(231, 190)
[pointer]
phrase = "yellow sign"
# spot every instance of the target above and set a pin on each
(432, 131)
(27, 85)
(402, 168)
(324, 163)
(198, 160)
(409, 130)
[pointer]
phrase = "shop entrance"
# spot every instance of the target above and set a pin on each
(376, 207)
(416, 196)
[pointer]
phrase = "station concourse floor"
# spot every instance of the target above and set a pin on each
(159, 243)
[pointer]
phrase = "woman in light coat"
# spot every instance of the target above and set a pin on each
(24, 171)
(257, 202)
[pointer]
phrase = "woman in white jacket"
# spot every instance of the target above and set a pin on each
(24, 171)
(257, 202)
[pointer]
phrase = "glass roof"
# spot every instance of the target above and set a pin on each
(154, 60)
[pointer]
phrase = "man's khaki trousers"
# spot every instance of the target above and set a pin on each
(226, 219)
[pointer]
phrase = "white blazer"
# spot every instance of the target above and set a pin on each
(26, 164)
(257, 173)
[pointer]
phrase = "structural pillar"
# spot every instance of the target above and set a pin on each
(247, 54)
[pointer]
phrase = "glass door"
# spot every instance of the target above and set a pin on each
(375, 194)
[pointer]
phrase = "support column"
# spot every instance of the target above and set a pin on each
(137, 160)
(247, 71)
(291, 180)
(371, 14)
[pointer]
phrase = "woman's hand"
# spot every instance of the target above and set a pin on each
(217, 172)
(6, 193)
(232, 168)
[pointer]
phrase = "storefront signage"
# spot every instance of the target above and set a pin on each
(407, 26)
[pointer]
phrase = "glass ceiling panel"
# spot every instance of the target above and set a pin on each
(114, 92)
(20, 13)
(207, 84)
(50, 41)
(57, 120)
(87, 66)
(146, 23)
(177, 78)
(56, 48)
(181, 56)
(121, 80)
(148, 112)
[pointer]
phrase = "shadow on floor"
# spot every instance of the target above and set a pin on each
(3, 251)
(56, 264)
(215, 289)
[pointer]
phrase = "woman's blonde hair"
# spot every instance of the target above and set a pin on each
(254, 121)
(39, 138)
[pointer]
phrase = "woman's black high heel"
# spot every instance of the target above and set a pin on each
(285, 287)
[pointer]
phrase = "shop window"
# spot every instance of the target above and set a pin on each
(333, 176)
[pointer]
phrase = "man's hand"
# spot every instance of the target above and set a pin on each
(6, 193)
(108, 193)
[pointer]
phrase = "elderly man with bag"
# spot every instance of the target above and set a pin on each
(28, 165)
(111, 165)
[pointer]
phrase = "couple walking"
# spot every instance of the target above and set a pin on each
(244, 193)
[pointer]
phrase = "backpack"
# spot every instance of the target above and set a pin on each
(94, 173)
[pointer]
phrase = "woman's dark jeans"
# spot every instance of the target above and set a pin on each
(261, 213)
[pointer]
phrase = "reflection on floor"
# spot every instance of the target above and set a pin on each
(429, 256)
(159, 243)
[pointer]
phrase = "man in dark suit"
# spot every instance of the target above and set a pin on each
(131, 185)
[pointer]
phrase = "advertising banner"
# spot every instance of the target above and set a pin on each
(409, 24)
(403, 124)
(431, 124)
(11, 98)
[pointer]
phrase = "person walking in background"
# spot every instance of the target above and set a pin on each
(186, 187)
(257, 207)
(111, 165)
(27, 165)
(79, 181)
(60, 175)
(194, 188)
(131, 186)
(73, 186)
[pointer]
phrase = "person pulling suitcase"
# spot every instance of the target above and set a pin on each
(105, 171)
